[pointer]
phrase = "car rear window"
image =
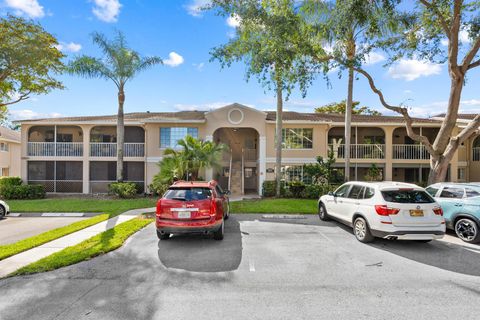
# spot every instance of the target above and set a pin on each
(188, 194)
(407, 196)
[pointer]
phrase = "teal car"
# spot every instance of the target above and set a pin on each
(461, 208)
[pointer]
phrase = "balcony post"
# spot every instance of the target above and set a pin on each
(86, 157)
(388, 153)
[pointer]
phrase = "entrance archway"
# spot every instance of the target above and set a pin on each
(239, 166)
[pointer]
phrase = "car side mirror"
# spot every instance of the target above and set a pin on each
(331, 193)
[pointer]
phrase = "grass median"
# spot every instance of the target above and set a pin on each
(109, 208)
(97, 245)
(284, 206)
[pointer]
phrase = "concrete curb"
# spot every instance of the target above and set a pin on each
(25, 258)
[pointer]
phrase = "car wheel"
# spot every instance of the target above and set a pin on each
(218, 235)
(2, 212)
(163, 236)
(227, 215)
(322, 212)
(362, 231)
(467, 230)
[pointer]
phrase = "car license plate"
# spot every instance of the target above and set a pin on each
(416, 213)
(184, 214)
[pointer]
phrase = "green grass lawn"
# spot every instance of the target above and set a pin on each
(100, 244)
(110, 209)
(304, 206)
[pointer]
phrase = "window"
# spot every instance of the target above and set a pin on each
(342, 191)
(4, 172)
(369, 193)
(453, 193)
(188, 194)
(3, 146)
(407, 196)
(295, 173)
(355, 192)
(297, 138)
(461, 173)
(432, 191)
(471, 193)
(169, 136)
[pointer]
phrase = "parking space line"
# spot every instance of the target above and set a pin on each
(252, 266)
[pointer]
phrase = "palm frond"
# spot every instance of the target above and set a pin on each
(90, 67)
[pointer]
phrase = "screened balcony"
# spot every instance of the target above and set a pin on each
(103, 142)
(56, 176)
(55, 141)
(366, 143)
(405, 148)
(102, 173)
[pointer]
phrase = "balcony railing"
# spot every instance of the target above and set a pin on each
(250, 154)
(476, 154)
(110, 149)
(55, 149)
(410, 152)
(360, 151)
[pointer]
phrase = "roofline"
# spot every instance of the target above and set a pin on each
(10, 140)
(331, 123)
(236, 104)
(174, 121)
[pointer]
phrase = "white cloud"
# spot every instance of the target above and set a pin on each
(107, 10)
(437, 107)
(411, 69)
(30, 114)
(199, 66)
(462, 38)
(174, 59)
(30, 8)
(374, 57)
(407, 91)
(194, 8)
(69, 47)
(234, 21)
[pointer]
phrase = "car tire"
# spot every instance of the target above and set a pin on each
(163, 236)
(219, 234)
(322, 212)
(362, 231)
(2, 212)
(467, 230)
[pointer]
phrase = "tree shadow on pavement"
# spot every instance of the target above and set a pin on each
(446, 256)
(201, 253)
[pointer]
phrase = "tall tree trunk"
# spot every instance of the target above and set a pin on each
(278, 142)
(438, 171)
(120, 134)
(348, 108)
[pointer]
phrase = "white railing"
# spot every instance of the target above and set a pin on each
(360, 151)
(52, 149)
(476, 154)
(410, 152)
(110, 149)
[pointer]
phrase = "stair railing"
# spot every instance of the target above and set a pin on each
(243, 171)
(230, 172)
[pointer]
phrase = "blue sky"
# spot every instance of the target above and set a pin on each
(176, 31)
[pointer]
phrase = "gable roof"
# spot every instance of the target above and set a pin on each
(9, 134)
(337, 117)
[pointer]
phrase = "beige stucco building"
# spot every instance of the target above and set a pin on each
(78, 154)
(9, 152)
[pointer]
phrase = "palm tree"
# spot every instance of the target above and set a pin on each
(195, 155)
(119, 64)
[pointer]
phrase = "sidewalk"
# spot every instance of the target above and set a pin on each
(20, 260)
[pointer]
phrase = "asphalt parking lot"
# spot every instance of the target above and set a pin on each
(13, 229)
(263, 269)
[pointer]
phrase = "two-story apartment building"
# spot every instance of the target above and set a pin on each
(78, 154)
(9, 152)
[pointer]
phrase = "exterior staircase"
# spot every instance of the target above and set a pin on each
(236, 179)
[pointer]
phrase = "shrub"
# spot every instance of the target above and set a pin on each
(269, 189)
(158, 188)
(24, 191)
(314, 191)
(296, 188)
(124, 190)
(6, 182)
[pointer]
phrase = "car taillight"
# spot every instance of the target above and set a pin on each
(159, 207)
(438, 211)
(213, 208)
(383, 210)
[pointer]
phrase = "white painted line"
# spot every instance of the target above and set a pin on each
(63, 214)
(14, 215)
(325, 237)
(252, 266)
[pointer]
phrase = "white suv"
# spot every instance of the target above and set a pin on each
(4, 209)
(390, 210)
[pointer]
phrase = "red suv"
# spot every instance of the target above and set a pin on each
(192, 207)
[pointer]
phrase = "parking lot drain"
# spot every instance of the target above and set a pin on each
(283, 216)
(245, 233)
(63, 214)
(378, 264)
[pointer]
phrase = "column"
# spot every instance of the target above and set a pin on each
(86, 159)
(208, 171)
(262, 162)
(388, 153)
